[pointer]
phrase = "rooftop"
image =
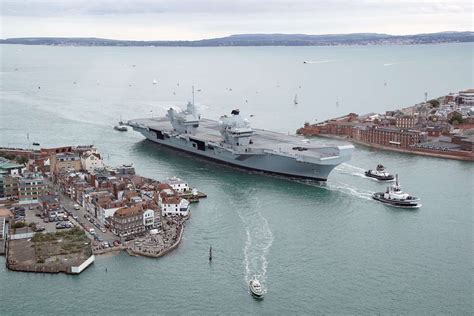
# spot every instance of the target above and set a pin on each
(127, 211)
(8, 164)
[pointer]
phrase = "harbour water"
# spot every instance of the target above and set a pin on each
(317, 248)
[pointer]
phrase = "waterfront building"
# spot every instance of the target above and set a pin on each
(131, 221)
(46, 152)
(172, 204)
(178, 185)
(91, 160)
(387, 136)
(30, 187)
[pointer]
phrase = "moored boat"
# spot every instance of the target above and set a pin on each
(394, 196)
(121, 128)
(256, 288)
(380, 173)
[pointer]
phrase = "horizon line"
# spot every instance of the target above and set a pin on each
(234, 34)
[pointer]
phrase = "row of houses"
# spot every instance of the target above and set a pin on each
(119, 199)
(116, 197)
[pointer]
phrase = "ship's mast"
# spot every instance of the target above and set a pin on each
(193, 94)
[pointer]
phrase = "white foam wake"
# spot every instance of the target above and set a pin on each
(319, 61)
(257, 245)
(348, 189)
(350, 169)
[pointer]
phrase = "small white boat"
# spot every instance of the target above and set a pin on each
(295, 101)
(154, 81)
(121, 128)
(256, 288)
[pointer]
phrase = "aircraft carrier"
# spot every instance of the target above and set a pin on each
(232, 141)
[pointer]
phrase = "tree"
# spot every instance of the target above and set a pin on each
(456, 119)
(434, 103)
(21, 159)
(19, 225)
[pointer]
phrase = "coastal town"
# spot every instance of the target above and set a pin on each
(60, 207)
(442, 127)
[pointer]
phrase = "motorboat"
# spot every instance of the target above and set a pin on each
(256, 288)
(394, 196)
(379, 174)
(121, 128)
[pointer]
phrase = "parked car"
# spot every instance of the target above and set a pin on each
(76, 207)
(75, 217)
(39, 228)
(60, 226)
(102, 229)
(92, 231)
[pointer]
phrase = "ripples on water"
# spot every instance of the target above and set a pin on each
(318, 248)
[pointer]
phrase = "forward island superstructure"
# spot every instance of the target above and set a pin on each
(232, 141)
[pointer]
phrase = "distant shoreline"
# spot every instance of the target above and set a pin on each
(259, 40)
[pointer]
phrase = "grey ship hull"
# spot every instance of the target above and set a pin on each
(271, 152)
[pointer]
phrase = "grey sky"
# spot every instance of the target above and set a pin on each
(196, 19)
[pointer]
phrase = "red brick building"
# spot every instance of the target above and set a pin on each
(386, 136)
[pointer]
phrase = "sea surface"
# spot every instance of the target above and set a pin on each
(319, 249)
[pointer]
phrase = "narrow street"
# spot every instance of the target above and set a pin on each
(66, 202)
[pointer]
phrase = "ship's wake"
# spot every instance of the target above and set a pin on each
(350, 169)
(348, 189)
(259, 239)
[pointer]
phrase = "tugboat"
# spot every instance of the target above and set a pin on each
(379, 174)
(256, 288)
(394, 196)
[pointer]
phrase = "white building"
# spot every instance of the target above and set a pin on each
(104, 213)
(149, 218)
(178, 185)
(91, 160)
(172, 204)
(466, 97)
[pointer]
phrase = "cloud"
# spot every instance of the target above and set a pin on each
(197, 19)
(127, 7)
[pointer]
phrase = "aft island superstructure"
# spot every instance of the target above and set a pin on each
(232, 141)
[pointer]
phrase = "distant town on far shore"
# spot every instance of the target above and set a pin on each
(260, 40)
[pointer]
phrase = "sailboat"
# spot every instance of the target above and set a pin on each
(295, 101)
